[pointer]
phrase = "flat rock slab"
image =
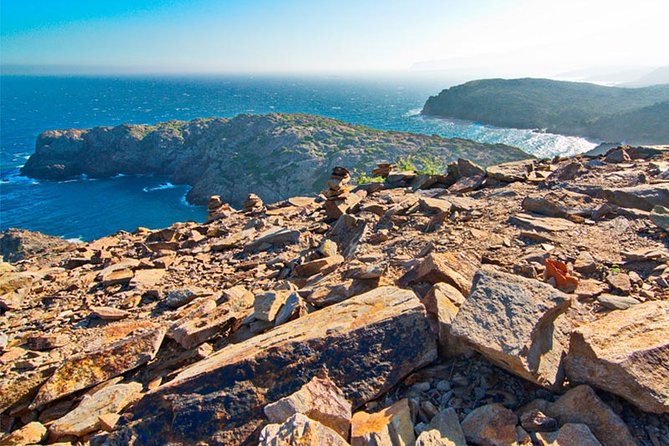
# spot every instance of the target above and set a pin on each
(510, 172)
(627, 353)
(300, 430)
(644, 196)
(84, 418)
(456, 269)
(510, 320)
(88, 369)
(366, 344)
(539, 223)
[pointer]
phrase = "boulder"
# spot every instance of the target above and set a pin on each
(87, 369)
(490, 425)
(32, 433)
(321, 400)
(267, 305)
(442, 303)
(300, 430)
(324, 265)
(274, 237)
(613, 302)
(456, 269)
(194, 329)
(444, 430)
(367, 344)
(643, 196)
(626, 353)
(180, 297)
(571, 434)
(85, 418)
(146, 279)
(511, 172)
(582, 405)
(347, 232)
(391, 426)
(511, 321)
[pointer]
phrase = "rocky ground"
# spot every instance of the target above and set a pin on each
(526, 303)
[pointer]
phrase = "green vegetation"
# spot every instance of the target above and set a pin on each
(362, 178)
(635, 115)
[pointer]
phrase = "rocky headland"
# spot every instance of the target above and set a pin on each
(616, 114)
(526, 303)
(275, 156)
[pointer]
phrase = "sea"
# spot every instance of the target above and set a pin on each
(87, 208)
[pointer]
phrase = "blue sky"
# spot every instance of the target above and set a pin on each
(532, 36)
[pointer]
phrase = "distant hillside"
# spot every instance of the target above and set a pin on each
(570, 108)
(275, 156)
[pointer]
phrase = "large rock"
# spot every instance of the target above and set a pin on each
(582, 405)
(321, 400)
(643, 196)
(442, 303)
(88, 369)
(300, 430)
(85, 418)
(569, 435)
(31, 433)
(510, 172)
(194, 329)
(391, 426)
(490, 425)
(456, 269)
(444, 430)
(510, 320)
(366, 344)
(627, 353)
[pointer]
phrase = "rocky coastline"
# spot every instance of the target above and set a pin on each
(276, 156)
(522, 303)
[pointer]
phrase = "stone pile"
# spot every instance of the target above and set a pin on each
(527, 306)
(338, 196)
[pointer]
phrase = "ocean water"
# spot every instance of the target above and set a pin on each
(89, 208)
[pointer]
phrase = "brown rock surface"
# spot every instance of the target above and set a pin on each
(299, 430)
(88, 369)
(490, 425)
(225, 393)
(85, 418)
(582, 405)
(627, 353)
(391, 426)
(321, 400)
(510, 320)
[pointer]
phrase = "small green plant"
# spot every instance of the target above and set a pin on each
(362, 178)
(615, 269)
(430, 165)
(405, 163)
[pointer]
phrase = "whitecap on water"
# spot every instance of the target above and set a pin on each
(161, 186)
(537, 143)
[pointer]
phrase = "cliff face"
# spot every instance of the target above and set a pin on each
(634, 115)
(275, 156)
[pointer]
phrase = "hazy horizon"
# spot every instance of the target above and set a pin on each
(512, 38)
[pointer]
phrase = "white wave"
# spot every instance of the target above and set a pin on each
(119, 175)
(161, 186)
(185, 202)
(17, 178)
(413, 112)
(75, 239)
